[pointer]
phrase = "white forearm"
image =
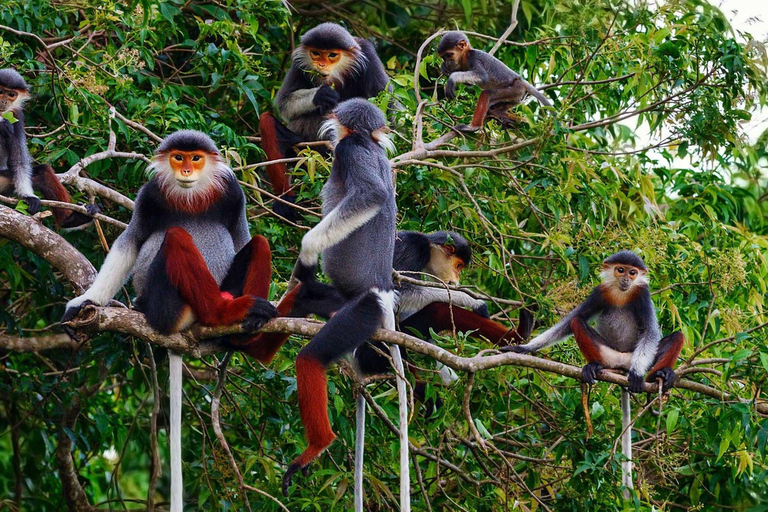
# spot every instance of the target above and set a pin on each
(111, 277)
(299, 103)
(330, 231)
(414, 298)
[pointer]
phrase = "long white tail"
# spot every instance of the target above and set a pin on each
(402, 397)
(177, 488)
(626, 443)
(359, 451)
(533, 91)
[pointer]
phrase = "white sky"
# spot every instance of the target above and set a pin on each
(749, 16)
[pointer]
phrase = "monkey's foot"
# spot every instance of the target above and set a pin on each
(668, 376)
(301, 463)
(590, 371)
(286, 211)
(261, 312)
(92, 209)
(71, 314)
(517, 349)
(635, 382)
(467, 128)
(33, 204)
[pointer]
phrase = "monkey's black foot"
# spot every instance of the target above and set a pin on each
(33, 204)
(467, 128)
(71, 314)
(635, 382)
(482, 310)
(590, 371)
(92, 209)
(286, 211)
(668, 376)
(261, 312)
(288, 477)
(517, 349)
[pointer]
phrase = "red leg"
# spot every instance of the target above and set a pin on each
(438, 316)
(45, 181)
(264, 346)
(278, 175)
(483, 102)
(188, 273)
(669, 351)
(584, 339)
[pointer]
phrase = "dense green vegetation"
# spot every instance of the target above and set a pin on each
(643, 150)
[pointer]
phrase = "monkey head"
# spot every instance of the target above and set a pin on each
(328, 49)
(450, 253)
(622, 274)
(14, 91)
(359, 116)
(189, 170)
(453, 48)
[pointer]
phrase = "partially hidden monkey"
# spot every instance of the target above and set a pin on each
(328, 66)
(627, 334)
(501, 87)
(356, 238)
(16, 171)
(191, 257)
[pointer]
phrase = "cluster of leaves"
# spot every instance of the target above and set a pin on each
(643, 150)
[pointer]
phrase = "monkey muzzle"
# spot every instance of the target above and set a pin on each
(624, 284)
(186, 183)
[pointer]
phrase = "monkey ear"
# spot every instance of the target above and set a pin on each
(461, 45)
(449, 250)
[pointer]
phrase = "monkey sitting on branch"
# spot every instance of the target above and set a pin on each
(502, 87)
(627, 335)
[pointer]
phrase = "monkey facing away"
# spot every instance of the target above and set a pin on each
(16, 171)
(191, 258)
(328, 66)
(501, 87)
(627, 335)
(356, 238)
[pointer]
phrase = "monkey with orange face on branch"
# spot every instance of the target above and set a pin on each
(502, 88)
(627, 334)
(329, 66)
(17, 173)
(191, 258)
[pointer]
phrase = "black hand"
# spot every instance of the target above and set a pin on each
(261, 312)
(33, 204)
(71, 314)
(482, 310)
(450, 89)
(326, 98)
(635, 382)
(590, 371)
(669, 376)
(304, 272)
(446, 68)
(92, 209)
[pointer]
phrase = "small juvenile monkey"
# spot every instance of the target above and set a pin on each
(328, 66)
(627, 334)
(502, 88)
(191, 258)
(16, 171)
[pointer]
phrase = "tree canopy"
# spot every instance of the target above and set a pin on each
(644, 149)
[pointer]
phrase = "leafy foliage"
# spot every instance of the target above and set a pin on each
(644, 150)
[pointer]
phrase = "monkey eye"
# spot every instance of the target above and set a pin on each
(178, 158)
(196, 158)
(620, 270)
(11, 95)
(315, 53)
(333, 55)
(632, 272)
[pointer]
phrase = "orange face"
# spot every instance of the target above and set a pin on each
(455, 55)
(625, 275)
(10, 98)
(324, 61)
(444, 264)
(187, 166)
